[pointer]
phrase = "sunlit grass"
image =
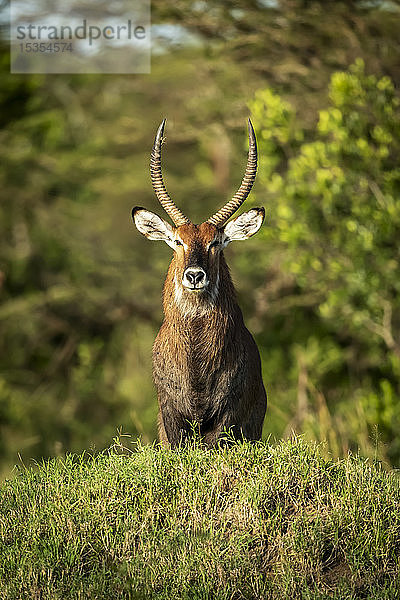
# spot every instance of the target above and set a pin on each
(250, 521)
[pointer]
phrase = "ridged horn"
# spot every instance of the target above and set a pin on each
(158, 184)
(231, 207)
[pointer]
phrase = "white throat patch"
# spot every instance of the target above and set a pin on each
(195, 304)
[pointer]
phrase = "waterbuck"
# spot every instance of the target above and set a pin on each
(206, 365)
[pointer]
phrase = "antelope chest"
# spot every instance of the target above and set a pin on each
(198, 379)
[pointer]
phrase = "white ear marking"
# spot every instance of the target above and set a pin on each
(152, 226)
(244, 226)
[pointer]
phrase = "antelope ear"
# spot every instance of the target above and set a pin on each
(152, 226)
(245, 225)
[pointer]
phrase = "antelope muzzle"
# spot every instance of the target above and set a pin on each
(195, 279)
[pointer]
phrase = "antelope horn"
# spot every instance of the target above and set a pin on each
(231, 207)
(158, 184)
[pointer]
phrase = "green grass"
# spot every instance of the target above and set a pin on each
(252, 521)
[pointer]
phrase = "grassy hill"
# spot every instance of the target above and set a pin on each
(252, 521)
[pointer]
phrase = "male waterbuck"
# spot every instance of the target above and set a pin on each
(206, 365)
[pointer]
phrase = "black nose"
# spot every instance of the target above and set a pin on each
(194, 277)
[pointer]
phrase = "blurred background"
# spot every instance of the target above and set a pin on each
(80, 289)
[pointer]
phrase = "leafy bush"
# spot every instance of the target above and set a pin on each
(334, 230)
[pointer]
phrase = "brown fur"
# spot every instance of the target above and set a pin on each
(206, 365)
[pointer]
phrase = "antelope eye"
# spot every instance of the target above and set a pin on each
(178, 243)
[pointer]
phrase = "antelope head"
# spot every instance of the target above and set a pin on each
(197, 248)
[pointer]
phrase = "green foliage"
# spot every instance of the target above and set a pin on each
(335, 231)
(80, 290)
(253, 520)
